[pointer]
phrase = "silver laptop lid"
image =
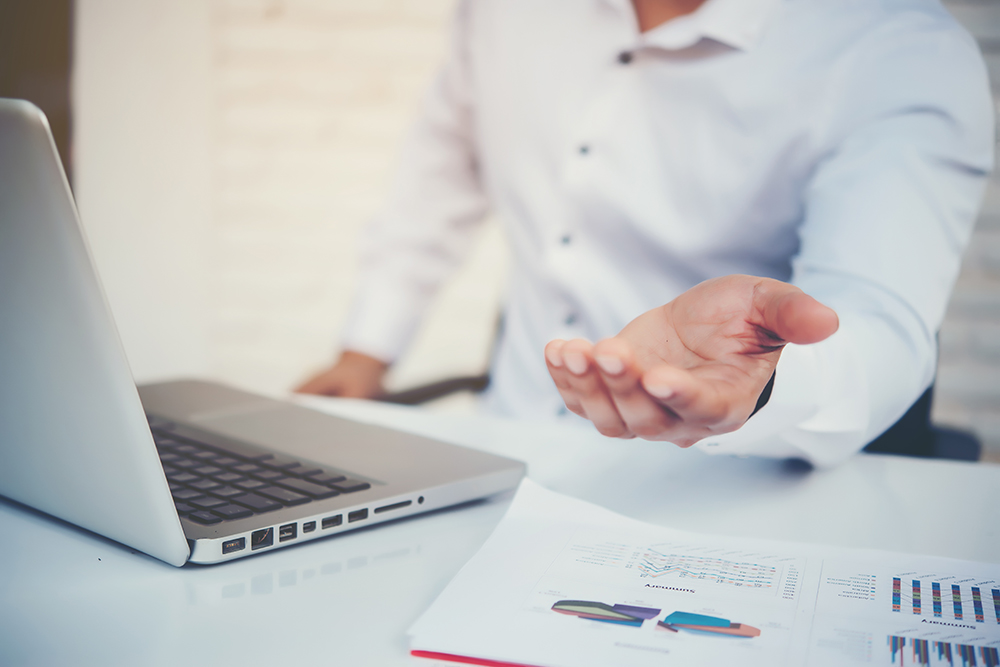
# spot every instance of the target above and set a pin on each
(74, 442)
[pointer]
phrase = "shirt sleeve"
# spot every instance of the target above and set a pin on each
(888, 212)
(428, 223)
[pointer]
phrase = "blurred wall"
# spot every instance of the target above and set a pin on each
(35, 55)
(968, 386)
(143, 117)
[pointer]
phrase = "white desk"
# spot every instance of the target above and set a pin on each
(68, 597)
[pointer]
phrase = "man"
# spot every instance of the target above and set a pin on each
(792, 153)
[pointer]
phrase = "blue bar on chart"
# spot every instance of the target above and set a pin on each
(920, 654)
(936, 598)
(956, 598)
(916, 596)
(977, 605)
(996, 604)
(896, 585)
(896, 645)
(944, 652)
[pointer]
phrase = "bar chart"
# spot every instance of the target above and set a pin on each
(912, 652)
(907, 597)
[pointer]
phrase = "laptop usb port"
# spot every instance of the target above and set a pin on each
(308, 526)
(288, 532)
(333, 521)
(239, 544)
(357, 515)
(261, 538)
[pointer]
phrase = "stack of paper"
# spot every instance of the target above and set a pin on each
(565, 583)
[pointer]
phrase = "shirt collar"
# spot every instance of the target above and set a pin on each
(736, 23)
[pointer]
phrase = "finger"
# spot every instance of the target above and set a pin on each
(553, 353)
(707, 399)
(793, 315)
(588, 388)
(560, 376)
(643, 415)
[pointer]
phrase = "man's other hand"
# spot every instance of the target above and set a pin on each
(355, 375)
(693, 367)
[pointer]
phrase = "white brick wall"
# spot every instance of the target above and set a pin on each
(311, 100)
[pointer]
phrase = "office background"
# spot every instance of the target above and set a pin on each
(225, 154)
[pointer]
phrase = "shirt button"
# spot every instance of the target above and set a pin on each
(584, 149)
(625, 57)
(570, 319)
(566, 239)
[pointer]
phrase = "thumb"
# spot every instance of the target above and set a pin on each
(793, 315)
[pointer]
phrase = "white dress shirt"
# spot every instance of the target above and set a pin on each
(841, 145)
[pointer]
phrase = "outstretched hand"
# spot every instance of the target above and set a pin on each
(693, 367)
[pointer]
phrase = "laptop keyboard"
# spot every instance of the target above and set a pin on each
(213, 483)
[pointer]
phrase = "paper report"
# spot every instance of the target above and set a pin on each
(562, 582)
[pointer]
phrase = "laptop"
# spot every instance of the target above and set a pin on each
(185, 471)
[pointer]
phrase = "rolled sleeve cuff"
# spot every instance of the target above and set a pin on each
(818, 410)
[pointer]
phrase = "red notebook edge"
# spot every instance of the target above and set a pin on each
(448, 657)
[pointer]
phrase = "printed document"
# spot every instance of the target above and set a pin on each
(564, 583)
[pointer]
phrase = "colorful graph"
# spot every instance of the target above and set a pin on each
(908, 651)
(960, 601)
(631, 615)
(653, 563)
(682, 620)
(620, 614)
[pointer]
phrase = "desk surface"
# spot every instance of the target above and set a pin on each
(70, 597)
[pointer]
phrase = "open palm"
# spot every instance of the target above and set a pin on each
(693, 367)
